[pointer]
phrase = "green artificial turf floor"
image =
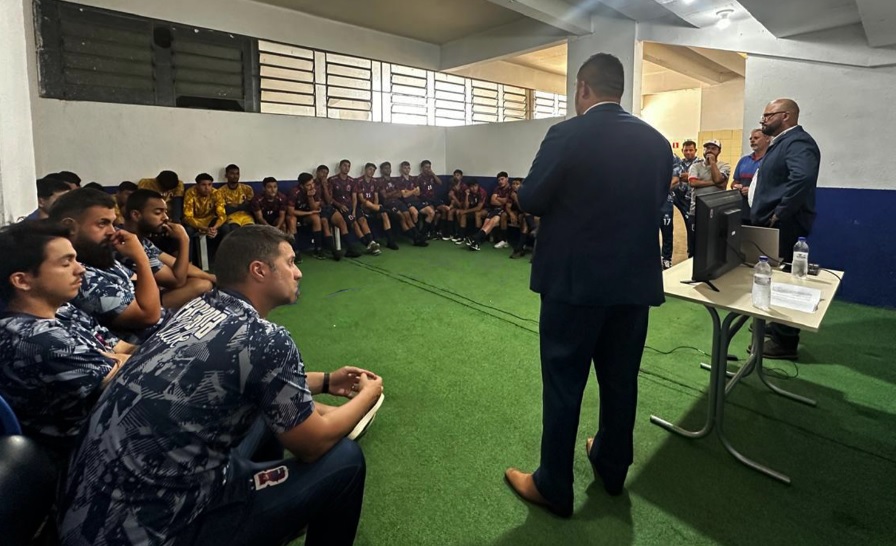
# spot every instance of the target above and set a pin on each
(454, 335)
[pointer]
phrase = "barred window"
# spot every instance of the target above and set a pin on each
(549, 105)
(95, 54)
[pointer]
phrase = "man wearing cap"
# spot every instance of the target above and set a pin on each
(707, 175)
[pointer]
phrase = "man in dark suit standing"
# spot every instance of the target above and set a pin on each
(782, 196)
(598, 183)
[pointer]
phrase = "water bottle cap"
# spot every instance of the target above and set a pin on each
(802, 239)
(763, 258)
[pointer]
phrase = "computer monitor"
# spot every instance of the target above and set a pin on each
(716, 234)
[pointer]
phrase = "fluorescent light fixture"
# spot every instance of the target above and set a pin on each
(724, 21)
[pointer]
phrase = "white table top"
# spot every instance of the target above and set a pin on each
(735, 293)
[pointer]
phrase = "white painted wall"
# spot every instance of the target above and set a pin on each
(17, 175)
(113, 142)
(515, 74)
(485, 150)
(612, 34)
(675, 114)
(848, 110)
(722, 106)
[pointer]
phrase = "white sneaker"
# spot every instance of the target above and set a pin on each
(501, 244)
(365, 421)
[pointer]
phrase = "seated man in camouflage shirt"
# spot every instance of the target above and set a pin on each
(163, 460)
(54, 359)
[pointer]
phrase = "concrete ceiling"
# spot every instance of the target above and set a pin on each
(550, 59)
(710, 67)
(434, 21)
(444, 21)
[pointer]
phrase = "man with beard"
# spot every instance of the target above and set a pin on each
(179, 280)
(107, 291)
(782, 196)
(746, 168)
(165, 459)
(54, 360)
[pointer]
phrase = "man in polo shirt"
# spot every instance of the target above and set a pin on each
(108, 292)
(164, 458)
(707, 175)
(54, 359)
(747, 167)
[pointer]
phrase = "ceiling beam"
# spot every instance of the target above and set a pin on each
(685, 61)
(508, 40)
(727, 59)
(556, 13)
(795, 17)
(879, 21)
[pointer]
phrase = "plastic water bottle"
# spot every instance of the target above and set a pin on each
(800, 266)
(762, 284)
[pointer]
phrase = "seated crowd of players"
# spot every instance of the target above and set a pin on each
(329, 207)
(160, 391)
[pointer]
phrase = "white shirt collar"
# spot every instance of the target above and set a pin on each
(599, 104)
(785, 131)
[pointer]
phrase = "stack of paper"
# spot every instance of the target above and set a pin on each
(794, 296)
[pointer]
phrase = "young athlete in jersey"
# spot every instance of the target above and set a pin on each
(344, 192)
(448, 227)
(369, 204)
(491, 217)
(473, 203)
(427, 182)
(303, 207)
(269, 206)
(390, 196)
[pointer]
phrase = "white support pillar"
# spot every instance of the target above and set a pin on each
(613, 34)
(17, 172)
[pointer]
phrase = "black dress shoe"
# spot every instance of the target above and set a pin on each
(771, 350)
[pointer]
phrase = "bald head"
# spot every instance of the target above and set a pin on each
(779, 115)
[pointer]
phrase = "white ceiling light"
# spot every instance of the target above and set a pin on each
(724, 21)
(688, 2)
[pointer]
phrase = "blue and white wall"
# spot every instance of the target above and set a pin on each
(849, 112)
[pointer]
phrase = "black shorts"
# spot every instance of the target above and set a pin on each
(395, 206)
(416, 203)
(434, 203)
(493, 212)
(348, 216)
(326, 211)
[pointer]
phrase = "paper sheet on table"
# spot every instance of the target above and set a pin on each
(794, 296)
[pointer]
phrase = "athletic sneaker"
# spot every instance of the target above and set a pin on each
(373, 248)
(319, 254)
(446, 237)
(501, 244)
(458, 240)
(468, 242)
(365, 421)
(393, 245)
(421, 242)
(474, 245)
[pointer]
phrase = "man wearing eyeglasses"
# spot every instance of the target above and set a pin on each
(782, 196)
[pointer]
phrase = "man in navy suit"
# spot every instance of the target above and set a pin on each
(598, 183)
(782, 196)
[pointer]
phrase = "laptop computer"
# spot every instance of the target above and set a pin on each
(760, 241)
